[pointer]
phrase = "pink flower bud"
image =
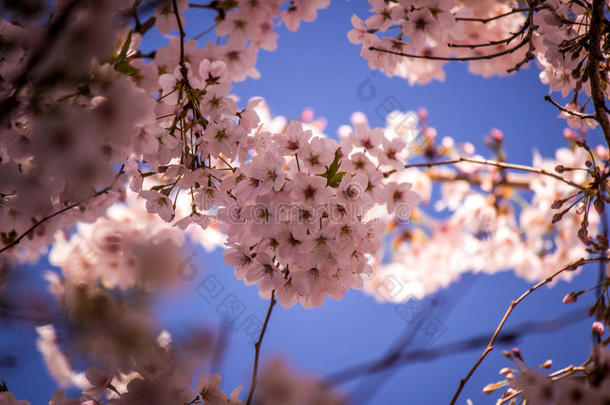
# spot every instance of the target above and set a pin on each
(422, 113)
(569, 134)
(570, 298)
(597, 328)
(307, 114)
(497, 134)
(468, 148)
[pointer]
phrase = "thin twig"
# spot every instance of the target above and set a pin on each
(595, 59)
(506, 337)
(511, 307)
(497, 164)
(602, 266)
(497, 17)
(183, 68)
(35, 57)
(490, 43)
(507, 51)
(365, 394)
(508, 398)
(565, 110)
(516, 180)
(213, 5)
(454, 58)
(527, 29)
(61, 211)
(257, 349)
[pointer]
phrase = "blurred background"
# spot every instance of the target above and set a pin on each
(317, 67)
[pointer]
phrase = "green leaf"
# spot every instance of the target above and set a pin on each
(332, 174)
(124, 67)
(123, 54)
(335, 180)
(121, 62)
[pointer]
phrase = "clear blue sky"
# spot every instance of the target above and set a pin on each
(318, 67)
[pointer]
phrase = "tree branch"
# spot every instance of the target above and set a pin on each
(61, 211)
(183, 68)
(497, 17)
(506, 337)
(257, 349)
(497, 164)
(511, 307)
(595, 59)
(50, 37)
(565, 110)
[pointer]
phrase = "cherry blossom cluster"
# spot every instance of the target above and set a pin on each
(158, 380)
(570, 385)
(280, 384)
(415, 39)
(158, 373)
(436, 29)
(65, 126)
(128, 248)
(300, 216)
(496, 221)
(68, 126)
(245, 26)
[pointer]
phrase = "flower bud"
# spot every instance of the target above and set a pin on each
(570, 298)
(422, 113)
(557, 204)
(599, 205)
(505, 371)
(597, 328)
(569, 134)
(496, 134)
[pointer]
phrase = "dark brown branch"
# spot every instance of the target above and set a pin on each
(511, 307)
(496, 164)
(146, 25)
(507, 337)
(510, 179)
(508, 51)
(61, 211)
(593, 67)
(492, 43)
(486, 44)
(527, 30)
(183, 68)
(565, 110)
(213, 5)
(257, 349)
(46, 45)
(497, 17)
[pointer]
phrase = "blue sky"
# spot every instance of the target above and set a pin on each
(317, 67)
